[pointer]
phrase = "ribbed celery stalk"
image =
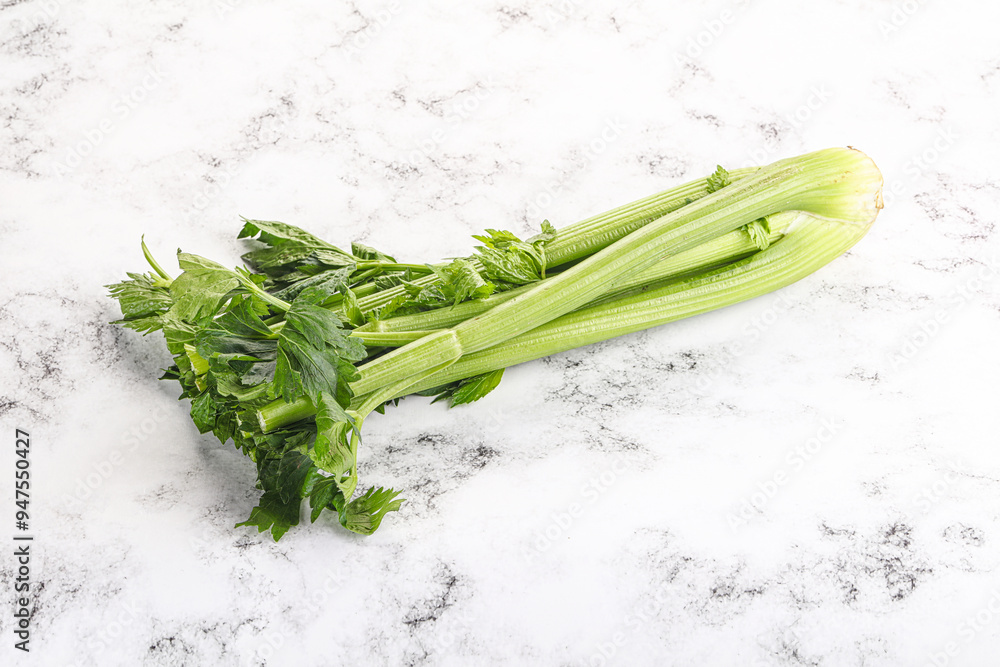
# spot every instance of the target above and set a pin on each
(813, 243)
(389, 338)
(841, 184)
(719, 251)
(588, 236)
(812, 182)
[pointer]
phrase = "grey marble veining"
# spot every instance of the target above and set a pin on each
(810, 478)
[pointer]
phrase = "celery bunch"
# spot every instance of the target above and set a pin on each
(288, 357)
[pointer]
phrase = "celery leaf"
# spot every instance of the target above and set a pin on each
(364, 514)
(718, 180)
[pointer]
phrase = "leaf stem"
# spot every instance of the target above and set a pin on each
(152, 262)
(394, 266)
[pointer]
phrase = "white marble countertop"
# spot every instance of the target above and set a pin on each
(810, 478)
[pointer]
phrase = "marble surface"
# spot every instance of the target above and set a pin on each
(810, 478)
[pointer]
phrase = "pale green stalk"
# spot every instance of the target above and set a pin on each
(811, 182)
(587, 236)
(842, 184)
(814, 243)
(717, 252)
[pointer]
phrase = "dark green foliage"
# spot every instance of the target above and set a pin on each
(144, 300)
(241, 339)
(468, 390)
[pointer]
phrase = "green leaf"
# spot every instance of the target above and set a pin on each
(547, 234)
(326, 283)
(325, 494)
(760, 233)
(304, 370)
(351, 309)
(506, 258)
(361, 251)
(198, 363)
(225, 426)
(143, 300)
(215, 341)
(199, 291)
(468, 390)
(335, 448)
(421, 298)
(497, 238)
(315, 354)
(513, 265)
(440, 392)
(294, 471)
(389, 280)
(228, 384)
(177, 335)
(719, 179)
(275, 444)
(238, 334)
(364, 514)
(274, 514)
(461, 281)
(203, 412)
(242, 317)
(288, 248)
(388, 310)
(472, 389)
(319, 326)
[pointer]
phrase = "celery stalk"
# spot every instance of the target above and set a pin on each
(588, 236)
(841, 184)
(813, 243)
(719, 251)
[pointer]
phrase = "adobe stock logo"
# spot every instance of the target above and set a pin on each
(968, 629)
(560, 523)
(699, 43)
(362, 39)
(458, 111)
(121, 109)
(795, 461)
(920, 164)
(589, 152)
(48, 10)
(101, 471)
(924, 333)
(817, 98)
(901, 14)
